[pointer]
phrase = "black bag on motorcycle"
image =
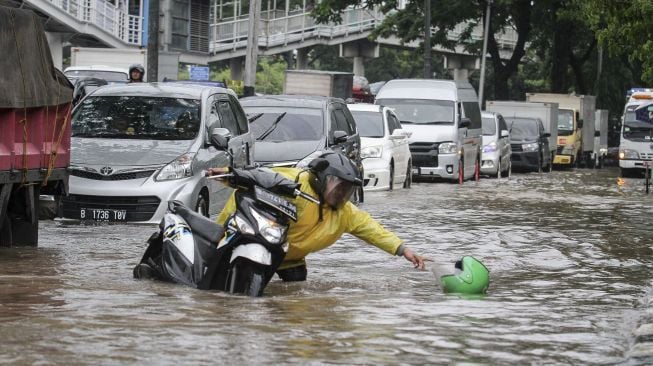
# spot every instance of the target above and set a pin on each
(184, 250)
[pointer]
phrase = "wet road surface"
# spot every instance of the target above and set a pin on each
(569, 252)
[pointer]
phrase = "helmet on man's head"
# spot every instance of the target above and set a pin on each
(139, 68)
(335, 177)
(472, 277)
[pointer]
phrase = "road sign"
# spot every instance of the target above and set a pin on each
(200, 73)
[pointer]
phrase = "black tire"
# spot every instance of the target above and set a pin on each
(540, 163)
(408, 182)
(202, 205)
(246, 277)
(391, 178)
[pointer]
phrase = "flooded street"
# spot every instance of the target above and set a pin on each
(570, 255)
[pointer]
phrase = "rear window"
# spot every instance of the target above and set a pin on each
(370, 124)
(111, 76)
(285, 124)
(421, 111)
(489, 126)
(134, 117)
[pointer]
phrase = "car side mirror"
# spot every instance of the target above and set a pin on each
(597, 133)
(465, 123)
(546, 134)
(220, 138)
(318, 165)
(339, 137)
(580, 123)
(505, 133)
(399, 134)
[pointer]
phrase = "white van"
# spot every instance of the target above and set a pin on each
(445, 120)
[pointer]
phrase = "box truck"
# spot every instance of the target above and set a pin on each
(314, 82)
(575, 127)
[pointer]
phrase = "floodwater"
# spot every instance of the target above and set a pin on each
(570, 256)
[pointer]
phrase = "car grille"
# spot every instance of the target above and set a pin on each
(424, 154)
(516, 147)
(137, 208)
(646, 156)
(120, 176)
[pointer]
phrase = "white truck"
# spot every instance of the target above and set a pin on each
(575, 127)
(636, 139)
(546, 112)
(87, 61)
(315, 82)
(600, 137)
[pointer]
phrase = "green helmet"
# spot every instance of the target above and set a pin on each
(472, 277)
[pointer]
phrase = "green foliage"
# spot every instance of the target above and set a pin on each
(270, 75)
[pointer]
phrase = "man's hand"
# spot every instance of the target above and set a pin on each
(415, 259)
(217, 171)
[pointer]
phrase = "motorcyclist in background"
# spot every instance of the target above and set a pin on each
(136, 73)
(319, 226)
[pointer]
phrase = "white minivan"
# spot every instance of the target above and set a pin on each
(445, 120)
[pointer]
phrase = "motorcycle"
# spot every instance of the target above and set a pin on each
(240, 257)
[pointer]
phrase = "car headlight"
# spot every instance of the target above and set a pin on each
(627, 154)
(179, 168)
(530, 147)
(492, 146)
(448, 148)
(371, 152)
(270, 230)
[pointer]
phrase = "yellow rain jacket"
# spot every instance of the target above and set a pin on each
(308, 234)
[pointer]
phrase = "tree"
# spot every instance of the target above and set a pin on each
(625, 28)
(407, 23)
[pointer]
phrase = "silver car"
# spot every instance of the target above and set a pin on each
(495, 158)
(136, 147)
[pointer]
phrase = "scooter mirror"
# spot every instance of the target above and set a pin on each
(318, 165)
(220, 138)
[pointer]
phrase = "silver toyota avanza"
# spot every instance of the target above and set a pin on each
(137, 146)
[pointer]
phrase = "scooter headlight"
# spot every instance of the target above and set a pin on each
(243, 226)
(269, 229)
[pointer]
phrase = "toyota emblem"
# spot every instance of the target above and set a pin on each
(107, 170)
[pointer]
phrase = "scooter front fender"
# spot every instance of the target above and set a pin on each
(254, 252)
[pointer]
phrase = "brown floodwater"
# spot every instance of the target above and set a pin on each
(570, 256)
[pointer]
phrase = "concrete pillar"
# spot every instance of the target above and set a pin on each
(359, 66)
(55, 41)
(359, 51)
(461, 66)
(301, 62)
(236, 68)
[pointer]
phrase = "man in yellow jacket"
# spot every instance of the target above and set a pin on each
(319, 226)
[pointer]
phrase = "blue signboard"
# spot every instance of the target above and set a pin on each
(200, 73)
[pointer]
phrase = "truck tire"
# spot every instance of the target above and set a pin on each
(409, 176)
(5, 232)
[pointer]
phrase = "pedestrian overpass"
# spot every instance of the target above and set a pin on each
(215, 30)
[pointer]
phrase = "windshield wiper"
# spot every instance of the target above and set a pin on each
(254, 117)
(271, 128)
(409, 122)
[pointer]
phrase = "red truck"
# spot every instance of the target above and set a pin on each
(35, 107)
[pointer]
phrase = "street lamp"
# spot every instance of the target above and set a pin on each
(486, 32)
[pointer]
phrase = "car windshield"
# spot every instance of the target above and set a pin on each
(110, 76)
(421, 111)
(522, 128)
(638, 124)
(369, 124)
(489, 126)
(135, 117)
(565, 122)
(277, 124)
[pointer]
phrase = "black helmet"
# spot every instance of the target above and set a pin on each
(334, 177)
(137, 67)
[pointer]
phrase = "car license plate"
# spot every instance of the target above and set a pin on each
(97, 214)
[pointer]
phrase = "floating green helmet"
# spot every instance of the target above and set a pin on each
(472, 278)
